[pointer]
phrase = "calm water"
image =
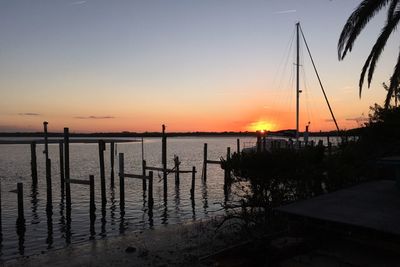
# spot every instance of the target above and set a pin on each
(48, 231)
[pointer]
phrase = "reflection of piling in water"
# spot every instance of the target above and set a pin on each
(20, 219)
(62, 178)
(102, 147)
(66, 171)
(227, 172)
(121, 182)
(193, 184)
(164, 160)
(205, 163)
(48, 185)
(20, 199)
(49, 215)
(177, 163)
(92, 200)
(33, 163)
(151, 200)
(143, 173)
(112, 146)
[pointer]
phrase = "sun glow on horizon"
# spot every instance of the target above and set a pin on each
(261, 125)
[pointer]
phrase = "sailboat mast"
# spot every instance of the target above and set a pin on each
(297, 81)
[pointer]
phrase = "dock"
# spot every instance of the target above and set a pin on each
(372, 205)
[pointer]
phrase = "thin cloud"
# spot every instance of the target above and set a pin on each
(78, 3)
(94, 117)
(286, 11)
(29, 114)
(358, 119)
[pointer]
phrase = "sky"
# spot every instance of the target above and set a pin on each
(198, 65)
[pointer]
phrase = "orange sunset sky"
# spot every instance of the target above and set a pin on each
(97, 66)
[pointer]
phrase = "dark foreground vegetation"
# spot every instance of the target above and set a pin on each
(273, 178)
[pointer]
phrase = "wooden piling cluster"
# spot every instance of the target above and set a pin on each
(227, 170)
(146, 175)
(123, 175)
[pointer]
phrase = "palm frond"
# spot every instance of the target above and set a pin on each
(392, 8)
(356, 23)
(394, 82)
(377, 49)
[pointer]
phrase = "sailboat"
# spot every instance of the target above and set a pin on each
(264, 143)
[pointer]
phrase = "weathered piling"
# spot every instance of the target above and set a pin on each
(66, 170)
(205, 162)
(227, 174)
(61, 152)
(193, 182)
(121, 181)
(151, 200)
(46, 148)
(164, 159)
(264, 143)
(258, 142)
(238, 146)
(176, 161)
(48, 185)
(112, 163)
(92, 200)
(144, 174)
(320, 143)
(20, 196)
(102, 147)
(33, 163)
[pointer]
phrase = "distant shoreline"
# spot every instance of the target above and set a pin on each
(283, 133)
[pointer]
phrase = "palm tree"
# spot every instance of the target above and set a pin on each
(353, 27)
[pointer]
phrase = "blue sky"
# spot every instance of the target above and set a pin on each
(195, 65)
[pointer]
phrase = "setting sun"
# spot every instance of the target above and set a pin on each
(261, 125)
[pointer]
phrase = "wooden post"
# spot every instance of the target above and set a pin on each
(164, 159)
(46, 148)
(112, 162)
(193, 182)
(20, 195)
(121, 181)
(33, 164)
(258, 142)
(48, 185)
(144, 174)
(102, 173)
(176, 160)
(92, 201)
(238, 146)
(151, 201)
(61, 152)
(205, 163)
(227, 169)
(66, 170)
(264, 144)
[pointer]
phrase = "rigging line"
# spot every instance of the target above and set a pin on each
(286, 60)
(306, 90)
(320, 83)
(306, 93)
(279, 78)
